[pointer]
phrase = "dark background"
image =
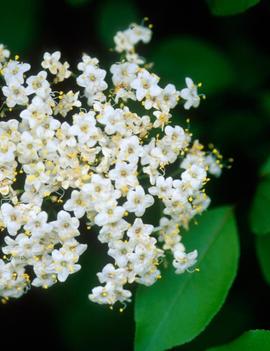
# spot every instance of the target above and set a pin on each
(235, 117)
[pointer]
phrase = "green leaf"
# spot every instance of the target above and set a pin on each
(19, 24)
(265, 170)
(253, 340)
(114, 16)
(263, 253)
(180, 57)
(259, 214)
(178, 307)
(78, 2)
(236, 316)
(230, 7)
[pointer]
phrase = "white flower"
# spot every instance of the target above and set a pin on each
(36, 174)
(23, 247)
(15, 280)
(38, 84)
(66, 226)
(167, 99)
(63, 72)
(146, 83)
(183, 261)
(109, 212)
(190, 94)
(99, 188)
(214, 167)
(104, 294)
(138, 33)
(169, 233)
(14, 71)
(4, 54)
(77, 203)
(36, 112)
(64, 263)
(123, 73)
(133, 57)
(66, 135)
(138, 201)
(142, 259)
(112, 120)
(176, 137)
(38, 225)
(130, 149)
(51, 61)
(120, 250)
(125, 41)
(67, 102)
(28, 148)
(162, 188)
(45, 277)
(122, 42)
(12, 218)
(150, 277)
(113, 231)
(162, 118)
(164, 153)
(111, 274)
(124, 175)
(83, 125)
(87, 60)
(92, 78)
(10, 128)
(7, 149)
(48, 128)
(195, 176)
(139, 231)
(15, 94)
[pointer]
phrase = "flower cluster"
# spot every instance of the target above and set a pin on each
(87, 154)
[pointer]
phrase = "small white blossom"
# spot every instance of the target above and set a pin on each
(190, 94)
(14, 72)
(38, 84)
(77, 204)
(146, 83)
(51, 61)
(4, 54)
(12, 218)
(183, 261)
(64, 263)
(15, 94)
(138, 201)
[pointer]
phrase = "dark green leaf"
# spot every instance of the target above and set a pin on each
(178, 307)
(265, 170)
(263, 253)
(114, 16)
(253, 340)
(260, 210)
(230, 7)
(177, 58)
(19, 24)
(235, 316)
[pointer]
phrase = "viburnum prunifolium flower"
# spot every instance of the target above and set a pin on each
(89, 151)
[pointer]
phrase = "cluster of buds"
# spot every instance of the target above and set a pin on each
(86, 153)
